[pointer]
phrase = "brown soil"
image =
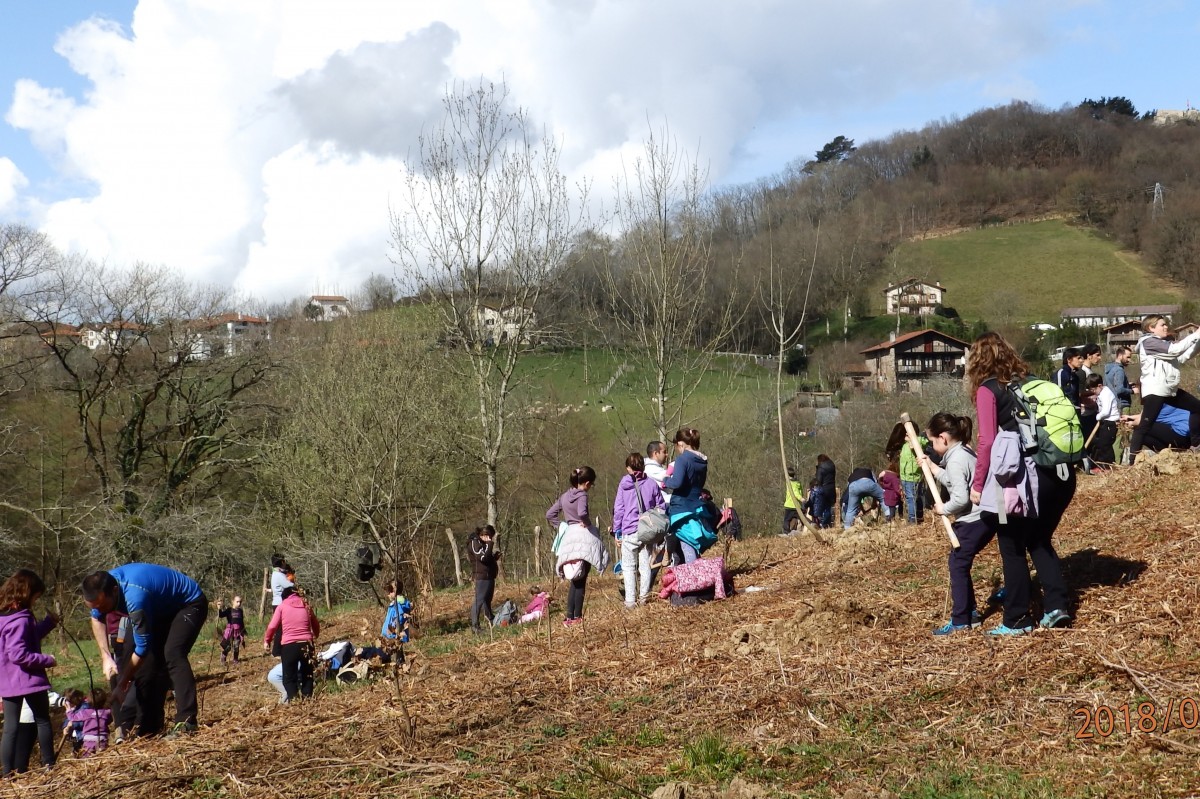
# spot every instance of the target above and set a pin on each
(825, 683)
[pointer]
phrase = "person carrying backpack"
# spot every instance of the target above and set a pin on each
(1025, 504)
(636, 494)
(1160, 360)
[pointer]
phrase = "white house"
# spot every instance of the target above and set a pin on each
(110, 334)
(914, 297)
(499, 325)
(227, 334)
(1115, 314)
(327, 307)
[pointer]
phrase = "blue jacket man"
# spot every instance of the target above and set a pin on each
(166, 610)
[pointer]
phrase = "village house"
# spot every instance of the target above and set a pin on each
(112, 335)
(913, 297)
(1123, 334)
(1184, 330)
(327, 307)
(225, 335)
(907, 362)
(1114, 314)
(499, 325)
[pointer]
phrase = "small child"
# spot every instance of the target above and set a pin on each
(889, 481)
(950, 437)
(398, 617)
(90, 717)
(537, 607)
(793, 496)
(1108, 413)
(234, 635)
(23, 666)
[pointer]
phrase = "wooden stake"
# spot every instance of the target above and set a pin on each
(915, 443)
(458, 578)
(266, 589)
(328, 604)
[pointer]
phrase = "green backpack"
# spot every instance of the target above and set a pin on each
(1047, 422)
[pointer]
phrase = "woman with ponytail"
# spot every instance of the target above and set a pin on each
(578, 546)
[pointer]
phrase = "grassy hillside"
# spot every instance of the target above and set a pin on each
(824, 683)
(1028, 273)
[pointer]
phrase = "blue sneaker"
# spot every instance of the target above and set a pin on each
(1055, 618)
(997, 597)
(1005, 630)
(950, 627)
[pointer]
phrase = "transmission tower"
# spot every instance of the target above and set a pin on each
(1156, 205)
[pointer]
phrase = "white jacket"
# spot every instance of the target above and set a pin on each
(1160, 361)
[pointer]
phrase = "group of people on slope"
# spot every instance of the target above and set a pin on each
(649, 483)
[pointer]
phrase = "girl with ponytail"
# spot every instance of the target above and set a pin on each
(950, 437)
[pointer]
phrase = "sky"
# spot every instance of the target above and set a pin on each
(260, 144)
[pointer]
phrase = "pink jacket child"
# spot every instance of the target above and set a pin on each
(695, 576)
(95, 721)
(297, 619)
(536, 608)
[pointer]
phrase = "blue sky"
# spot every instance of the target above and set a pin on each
(258, 143)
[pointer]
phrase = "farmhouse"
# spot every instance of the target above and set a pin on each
(228, 334)
(905, 363)
(913, 297)
(327, 307)
(509, 323)
(1114, 314)
(1123, 334)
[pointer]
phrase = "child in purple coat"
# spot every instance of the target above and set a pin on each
(636, 494)
(92, 718)
(23, 666)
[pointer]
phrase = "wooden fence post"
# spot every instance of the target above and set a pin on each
(537, 548)
(458, 578)
(328, 604)
(266, 589)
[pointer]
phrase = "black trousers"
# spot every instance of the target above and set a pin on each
(297, 669)
(14, 752)
(485, 589)
(166, 665)
(575, 590)
(1022, 538)
(1102, 445)
(1152, 404)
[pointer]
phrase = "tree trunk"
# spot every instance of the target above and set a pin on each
(458, 578)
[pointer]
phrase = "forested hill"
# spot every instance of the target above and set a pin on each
(844, 212)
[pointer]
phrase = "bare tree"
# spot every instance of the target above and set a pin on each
(786, 286)
(487, 222)
(367, 441)
(659, 280)
(378, 293)
(160, 404)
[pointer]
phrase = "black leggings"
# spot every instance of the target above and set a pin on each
(485, 590)
(575, 592)
(297, 669)
(1152, 404)
(10, 758)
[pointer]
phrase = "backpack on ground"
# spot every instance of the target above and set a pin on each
(1047, 423)
(505, 615)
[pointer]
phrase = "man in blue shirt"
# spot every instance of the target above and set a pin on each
(166, 610)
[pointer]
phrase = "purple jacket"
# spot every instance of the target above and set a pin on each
(22, 664)
(625, 506)
(572, 506)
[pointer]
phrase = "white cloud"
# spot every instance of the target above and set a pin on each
(256, 143)
(11, 183)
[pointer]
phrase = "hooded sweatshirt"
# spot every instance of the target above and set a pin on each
(687, 478)
(22, 664)
(625, 505)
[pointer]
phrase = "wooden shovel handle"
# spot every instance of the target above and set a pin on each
(915, 443)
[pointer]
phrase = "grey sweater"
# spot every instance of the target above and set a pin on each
(958, 470)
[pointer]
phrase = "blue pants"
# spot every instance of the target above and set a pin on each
(862, 487)
(914, 500)
(823, 507)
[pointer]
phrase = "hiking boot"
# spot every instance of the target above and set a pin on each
(181, 729)
(997, 597)
(1005, 630)
(1055, 618)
